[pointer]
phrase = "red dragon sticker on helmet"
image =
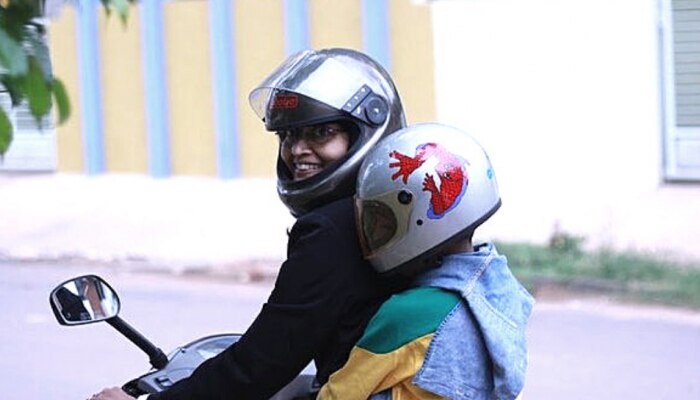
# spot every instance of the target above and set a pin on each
(285, 101)
(450, 169)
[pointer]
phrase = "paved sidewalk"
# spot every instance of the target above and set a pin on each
(179, 224)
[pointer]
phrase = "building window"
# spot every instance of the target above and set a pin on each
(33, 147)
(680, 33)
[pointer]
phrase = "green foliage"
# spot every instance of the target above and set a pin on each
(5, 126)
(565, 242)
(617, 274)
(120, 6)
(61, 98)
(12, 56)
(37, 89)
(25, 68)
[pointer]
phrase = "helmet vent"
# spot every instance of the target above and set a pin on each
(376, 110)
(405, 197)
(367, 106)
(357, 98)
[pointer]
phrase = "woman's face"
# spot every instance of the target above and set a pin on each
(307, 151)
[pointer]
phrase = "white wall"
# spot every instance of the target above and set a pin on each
(565, 96)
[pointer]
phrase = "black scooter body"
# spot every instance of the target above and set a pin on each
(89, 299)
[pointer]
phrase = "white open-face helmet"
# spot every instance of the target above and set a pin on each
(332, 85)
(419, 191)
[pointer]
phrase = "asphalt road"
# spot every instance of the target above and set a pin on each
(579, 349)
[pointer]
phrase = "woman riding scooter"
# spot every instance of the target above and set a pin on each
(328, 108)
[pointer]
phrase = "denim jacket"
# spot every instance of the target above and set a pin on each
(495, 307)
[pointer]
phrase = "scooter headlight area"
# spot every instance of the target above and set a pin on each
(89, 299)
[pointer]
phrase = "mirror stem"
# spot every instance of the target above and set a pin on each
(157, 358)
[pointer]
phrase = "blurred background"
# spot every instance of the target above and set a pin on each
(590, 111)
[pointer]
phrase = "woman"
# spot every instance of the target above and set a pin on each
(328, 108)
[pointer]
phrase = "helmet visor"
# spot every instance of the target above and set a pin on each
(382, 220)
(308, 73)
(378, 224)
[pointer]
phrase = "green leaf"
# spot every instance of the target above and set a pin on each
(107, 8)
(16, 16)
(13, 57)
(38, 90)
(122, 8)
(15, 87)
(5, 132)
(35, 46)
(62, 101)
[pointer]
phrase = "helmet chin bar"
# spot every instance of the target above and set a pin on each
(304, 195)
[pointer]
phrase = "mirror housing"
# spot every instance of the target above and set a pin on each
(84, 300)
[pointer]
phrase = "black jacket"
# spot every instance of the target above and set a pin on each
(323, 298)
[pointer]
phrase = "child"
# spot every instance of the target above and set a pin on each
(458, 332)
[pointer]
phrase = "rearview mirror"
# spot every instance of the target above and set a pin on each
(83, 300)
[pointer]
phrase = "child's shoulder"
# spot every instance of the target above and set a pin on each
(407, 316)
(423, 302)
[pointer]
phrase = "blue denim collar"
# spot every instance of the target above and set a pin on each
(499, 308)
(459, 272)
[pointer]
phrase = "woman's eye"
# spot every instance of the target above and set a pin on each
(325, 132)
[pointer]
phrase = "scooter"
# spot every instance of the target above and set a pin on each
(89, 299)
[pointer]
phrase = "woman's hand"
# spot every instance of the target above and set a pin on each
(114, 393)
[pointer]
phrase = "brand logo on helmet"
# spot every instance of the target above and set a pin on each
(450, 170)
(285, 101)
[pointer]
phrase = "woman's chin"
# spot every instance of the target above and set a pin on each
(301, 175)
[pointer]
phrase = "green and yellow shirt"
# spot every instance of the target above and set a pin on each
(393, 347)
(459, 334)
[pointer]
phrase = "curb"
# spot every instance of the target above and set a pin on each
(240, 271)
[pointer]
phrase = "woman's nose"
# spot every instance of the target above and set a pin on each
(300, 146)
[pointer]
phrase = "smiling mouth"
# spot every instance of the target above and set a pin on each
(306, 169)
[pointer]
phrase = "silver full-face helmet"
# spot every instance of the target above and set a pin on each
(419, 191)
(332, 85)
